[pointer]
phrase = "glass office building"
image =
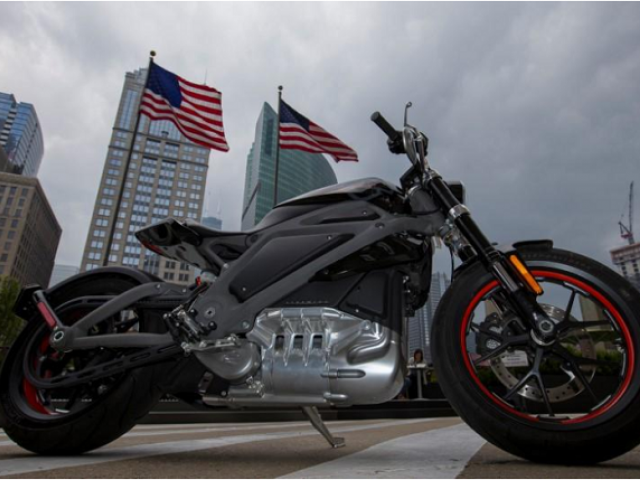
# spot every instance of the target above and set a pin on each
(419, 326)
(212, 222)
(166, 178)
(20, 136)
(299, 172)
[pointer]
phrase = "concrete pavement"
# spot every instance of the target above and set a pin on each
(414, 448)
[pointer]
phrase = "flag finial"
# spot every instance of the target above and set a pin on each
(152, 53)
(280, 88)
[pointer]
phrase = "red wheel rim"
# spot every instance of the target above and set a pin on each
(30, 392)
(624, 329)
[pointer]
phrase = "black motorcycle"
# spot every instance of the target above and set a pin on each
(536, 348)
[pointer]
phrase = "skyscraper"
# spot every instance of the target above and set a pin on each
(420, 324)
(212, 222)
(62, 272)
(299, 171)
(4, 160)
(20, 135)
(627, 259)
(29, 230)
(167, 177)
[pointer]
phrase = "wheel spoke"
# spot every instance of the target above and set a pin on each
(543, 392)
(535, 372)
(74, 397)
(492, 354)
(577, 371)
(567, 311)
(572, 325)
(516, 388)
(487, 332)
(506, 343)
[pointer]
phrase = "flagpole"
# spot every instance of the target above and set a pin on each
(277, 163)
(105, 262)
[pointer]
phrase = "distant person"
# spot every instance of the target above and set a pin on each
(417, 375)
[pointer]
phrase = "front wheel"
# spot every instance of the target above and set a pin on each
(572, 400)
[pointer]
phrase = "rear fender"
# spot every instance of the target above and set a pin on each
(25, 307)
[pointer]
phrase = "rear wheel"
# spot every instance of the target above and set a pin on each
(573, 400)
(82, 418)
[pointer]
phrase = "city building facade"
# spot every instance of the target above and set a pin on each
(419, 326)
(627, 259)
(62, 272)
(4, 160)
(299, 172)
(29, 230)
(165, 178)
(20, 136)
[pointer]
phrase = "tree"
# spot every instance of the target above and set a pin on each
(10, 323)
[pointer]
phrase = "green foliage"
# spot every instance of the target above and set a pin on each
(10, 323)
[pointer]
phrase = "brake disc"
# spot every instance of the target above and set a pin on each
(504, 365)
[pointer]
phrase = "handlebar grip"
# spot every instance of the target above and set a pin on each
(385, 126)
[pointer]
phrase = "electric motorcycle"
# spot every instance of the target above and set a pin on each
(535, 347)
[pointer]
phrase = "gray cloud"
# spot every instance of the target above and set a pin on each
(536, 107)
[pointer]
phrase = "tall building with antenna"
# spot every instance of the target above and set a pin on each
(627, 258)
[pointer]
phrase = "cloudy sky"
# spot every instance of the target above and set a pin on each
(536, 107)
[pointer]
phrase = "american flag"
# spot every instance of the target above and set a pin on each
(297, 132)
(196, 110)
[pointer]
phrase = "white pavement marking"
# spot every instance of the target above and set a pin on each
(208, 424)
(16, 466)
(440, 453)
(168, 430)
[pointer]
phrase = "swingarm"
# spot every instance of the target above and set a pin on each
(153, 296)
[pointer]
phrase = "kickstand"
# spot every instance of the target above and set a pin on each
(316, 420)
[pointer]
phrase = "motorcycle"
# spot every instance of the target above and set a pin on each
(536, 348)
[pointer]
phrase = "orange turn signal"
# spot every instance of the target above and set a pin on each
(526, 275)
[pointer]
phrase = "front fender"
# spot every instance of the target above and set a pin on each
(507, 249)
(25, 307)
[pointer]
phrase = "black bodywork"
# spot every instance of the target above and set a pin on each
(355, 246)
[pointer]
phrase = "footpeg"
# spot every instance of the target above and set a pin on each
(316, 420)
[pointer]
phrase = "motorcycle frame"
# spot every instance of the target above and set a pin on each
(232, 315)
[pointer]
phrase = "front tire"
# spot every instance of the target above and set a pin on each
(526, 417)
(33, 422)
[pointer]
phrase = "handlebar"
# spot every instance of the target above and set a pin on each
(385, 126)
(394, 136)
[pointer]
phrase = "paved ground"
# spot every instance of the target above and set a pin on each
(416, 448)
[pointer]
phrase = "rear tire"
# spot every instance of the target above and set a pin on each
(95, 425)
(594, 438)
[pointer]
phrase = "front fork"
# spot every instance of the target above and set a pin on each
(509, 270)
